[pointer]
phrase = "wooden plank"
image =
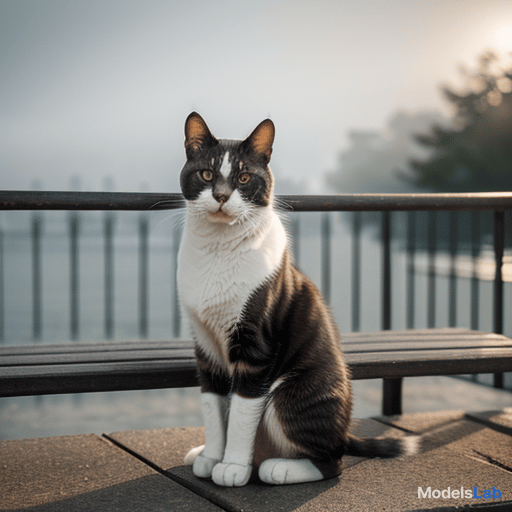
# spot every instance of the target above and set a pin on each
(169, 354)
(155, 374)
(111, 346)
(420, 334)
(434, 346)
(112, 366)
(380, 353)
(402, 365)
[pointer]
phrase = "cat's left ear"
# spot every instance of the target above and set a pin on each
(261, 139)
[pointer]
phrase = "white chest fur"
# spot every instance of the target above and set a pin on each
(219, 266)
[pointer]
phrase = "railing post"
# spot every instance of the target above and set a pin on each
(295, 239)
(176, 317)
(499, 247)
(411, 234)
(143, 275)
(109, 275)
(431, 293)
(74, 227)
(326, 257)
(452, 290)
(356, 271)
(475, 284)
(36, 276)
(391, 388)
(2, 282)
(386, 270)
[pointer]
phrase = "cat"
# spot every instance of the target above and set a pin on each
(276, 393)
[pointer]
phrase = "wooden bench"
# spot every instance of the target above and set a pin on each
(113, 366)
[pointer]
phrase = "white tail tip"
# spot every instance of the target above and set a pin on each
(192, 455)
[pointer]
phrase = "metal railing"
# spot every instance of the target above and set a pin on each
(498, 203)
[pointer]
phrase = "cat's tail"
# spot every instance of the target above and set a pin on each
(382, 446)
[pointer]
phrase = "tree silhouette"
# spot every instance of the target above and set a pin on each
(475, 153)
(373, 160)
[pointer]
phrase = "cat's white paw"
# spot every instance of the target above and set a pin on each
(231, 475)
(288, 471)
(203, 466)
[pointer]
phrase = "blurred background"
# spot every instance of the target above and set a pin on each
(367, 96)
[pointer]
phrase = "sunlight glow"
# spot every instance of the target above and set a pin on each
(503, 38)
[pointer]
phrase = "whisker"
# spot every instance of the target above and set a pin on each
(173, 218)
(180, 203)
(254, 195)
(281, 205)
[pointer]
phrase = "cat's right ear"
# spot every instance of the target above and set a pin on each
(197, 135)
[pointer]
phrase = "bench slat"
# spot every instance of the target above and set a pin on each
(163, 354)
(77, 368)
(167, 352)
(112, 346)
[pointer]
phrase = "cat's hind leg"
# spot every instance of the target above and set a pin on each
(295, 471)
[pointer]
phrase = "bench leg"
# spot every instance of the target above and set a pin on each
(392, 397)
(498, 380)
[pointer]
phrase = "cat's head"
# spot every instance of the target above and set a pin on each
(227, 179)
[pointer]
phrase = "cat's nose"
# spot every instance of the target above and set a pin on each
(220, 197)
(221, 192)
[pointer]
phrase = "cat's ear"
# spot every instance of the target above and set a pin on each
(261, 139)
(197, 135)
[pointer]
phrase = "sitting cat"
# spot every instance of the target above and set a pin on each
(276, 393)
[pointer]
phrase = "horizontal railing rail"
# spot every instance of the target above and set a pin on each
(134, 201)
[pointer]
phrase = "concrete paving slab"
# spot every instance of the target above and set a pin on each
(374, 485)
(421, 421)
(460, 433)
(85, 473)
(166, 448)
(497, 420)
(394, 485)
(158, 448)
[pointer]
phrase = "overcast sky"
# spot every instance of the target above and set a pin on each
(101, 88)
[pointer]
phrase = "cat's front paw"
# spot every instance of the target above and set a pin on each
(203, 466)
(231, 475)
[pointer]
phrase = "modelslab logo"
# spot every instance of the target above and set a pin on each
(485, 494)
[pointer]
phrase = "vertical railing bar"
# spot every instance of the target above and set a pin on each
(431, 292)
(36, 277)
(452, 289)
(411, 231)
(2, 283)
(499, 247)
(74, 226)
(386, 270)
(176, 317)
(475, 283)
(295, 239)
(391, 388)
(326, 256)
(143, 275)
(356, 271)
(109, 276)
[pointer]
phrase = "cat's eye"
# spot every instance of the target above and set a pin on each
(244, 178)
(207, 175)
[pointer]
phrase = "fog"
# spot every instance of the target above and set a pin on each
(100, 89)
